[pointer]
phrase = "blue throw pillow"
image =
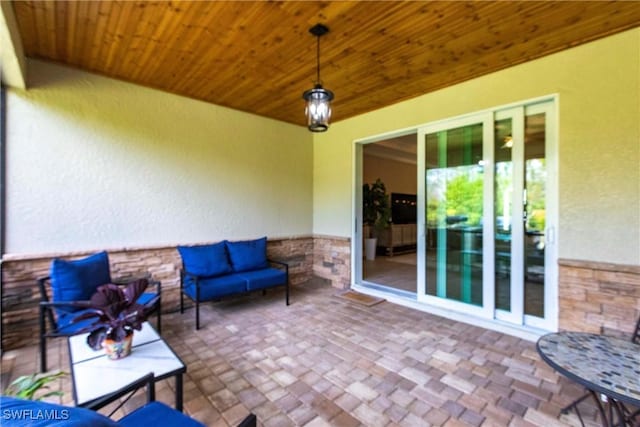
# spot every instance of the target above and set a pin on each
(77, 280)
(205, 260)
(248, 255)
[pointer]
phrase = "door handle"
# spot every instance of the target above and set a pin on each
(550, 235)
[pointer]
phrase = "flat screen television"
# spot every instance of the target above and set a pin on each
(404, 208)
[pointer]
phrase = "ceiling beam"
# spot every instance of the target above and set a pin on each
(13, 67)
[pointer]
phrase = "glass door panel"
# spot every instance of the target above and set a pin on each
(535, 214)
(454, 209)
(519, 214)
(503, 209)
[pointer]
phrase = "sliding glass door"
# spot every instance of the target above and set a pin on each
(454, 179)
(454, 188)
(486, 208)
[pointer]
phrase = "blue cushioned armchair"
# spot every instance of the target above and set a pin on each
(70, 282)
(210, 272)
(19, 412)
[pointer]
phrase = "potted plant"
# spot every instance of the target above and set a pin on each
(115, 314)
(376, 214)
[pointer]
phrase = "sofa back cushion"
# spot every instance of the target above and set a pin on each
(248, 255)
(205, 260)
(77, 280)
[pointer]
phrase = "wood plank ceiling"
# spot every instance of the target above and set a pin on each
(259, 57)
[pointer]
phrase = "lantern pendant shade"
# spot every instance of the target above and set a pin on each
(318, 108)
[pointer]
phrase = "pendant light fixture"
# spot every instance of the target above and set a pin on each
(318, 110)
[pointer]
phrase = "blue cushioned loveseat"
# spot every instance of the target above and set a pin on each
(211, 272)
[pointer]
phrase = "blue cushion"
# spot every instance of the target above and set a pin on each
(20, 412)
(248, 255)
(265, 278)
(215, 287)
(146, 297)
(66, 326)
(205, 260)
(158, 414)
(77, 280)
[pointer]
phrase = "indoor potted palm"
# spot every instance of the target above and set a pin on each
(376, 214)
(116, 314)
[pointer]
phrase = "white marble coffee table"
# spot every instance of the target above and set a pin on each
(94, 375)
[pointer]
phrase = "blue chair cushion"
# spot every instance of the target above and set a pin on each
(157, 414)
(248, 255)
(215, 287)
(146, 297)
(265, 278)
(21, 412)
(77, 280)
(205, 260)
(66, 326)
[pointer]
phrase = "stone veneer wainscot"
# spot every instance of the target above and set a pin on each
(593, 297)
(598, 297)
(332, 260)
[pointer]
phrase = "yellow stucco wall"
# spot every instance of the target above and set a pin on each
(598, 85)
(97, 163)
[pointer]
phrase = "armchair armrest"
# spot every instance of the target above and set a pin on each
(47, 309)
(279, 263)
(184, 274)
(54, 304)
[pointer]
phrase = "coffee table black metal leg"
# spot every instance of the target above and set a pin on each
(179, 392)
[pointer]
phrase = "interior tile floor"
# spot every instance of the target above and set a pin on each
(398, 271)
(326, 361)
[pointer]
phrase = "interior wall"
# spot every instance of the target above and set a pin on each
(398, 177)
(598, 87)
(97, 163)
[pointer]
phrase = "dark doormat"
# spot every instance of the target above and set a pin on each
(359, 298)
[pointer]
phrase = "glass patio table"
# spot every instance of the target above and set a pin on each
(604, 365)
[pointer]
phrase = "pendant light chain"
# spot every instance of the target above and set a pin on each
(318, 60)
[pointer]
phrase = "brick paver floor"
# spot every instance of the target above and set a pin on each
(325, 361)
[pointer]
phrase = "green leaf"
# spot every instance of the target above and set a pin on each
(27, 386)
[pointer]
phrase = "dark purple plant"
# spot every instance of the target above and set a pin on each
(115, 312)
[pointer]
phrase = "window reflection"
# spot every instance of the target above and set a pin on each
(455, 176)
